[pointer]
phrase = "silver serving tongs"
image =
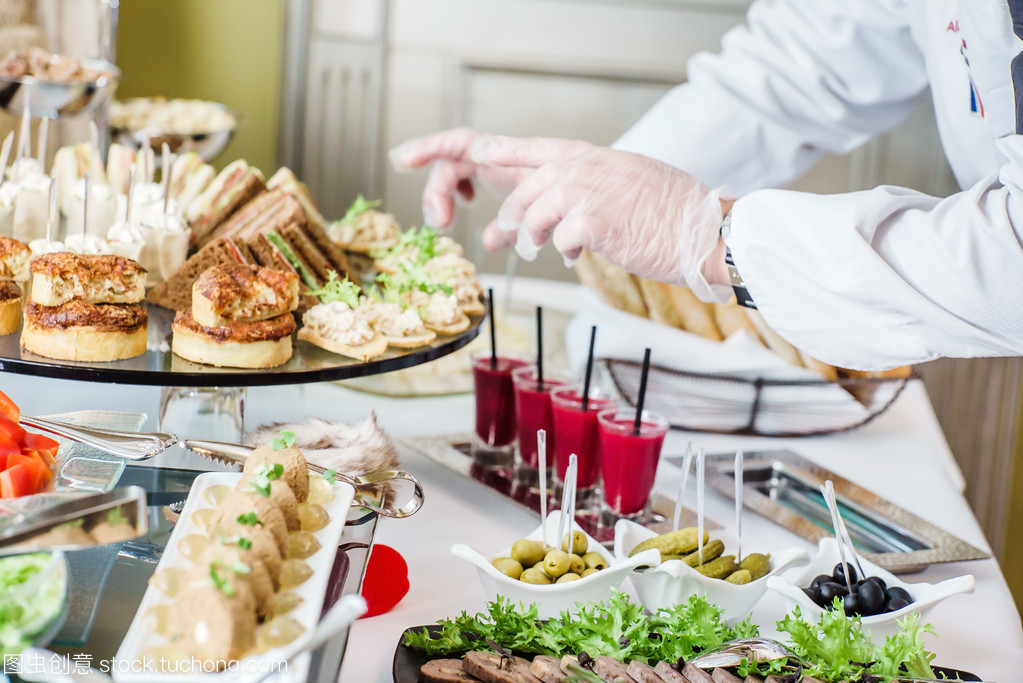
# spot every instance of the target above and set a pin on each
(127, 445)
(370, 491)
(79, 522)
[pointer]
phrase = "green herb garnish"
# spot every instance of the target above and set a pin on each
(360, 206)
(238, 568)
(292, 258)
(420, 244)
(330, 476)
(285, 440)
(219, 582)
(116, 516)
(248, 519)
(336, 289)
(265, 474)
(244, 543)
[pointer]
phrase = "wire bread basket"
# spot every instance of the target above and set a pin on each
(761, 406)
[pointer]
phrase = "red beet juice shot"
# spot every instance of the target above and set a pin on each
(628, 460)
(575, 431)
(533, 410)
(495, 402)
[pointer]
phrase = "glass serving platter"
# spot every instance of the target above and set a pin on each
(159, 367)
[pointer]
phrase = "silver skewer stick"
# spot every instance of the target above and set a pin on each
(166, 170)
(25, 135)
(541, 451)
(572, 476)
(738, 506)
(51, 210)
(687, 464)
(42, 140)
(85, 207)
(828, 491)
(131, 193)
(5, 154)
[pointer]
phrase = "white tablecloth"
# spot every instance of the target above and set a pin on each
(902, 456)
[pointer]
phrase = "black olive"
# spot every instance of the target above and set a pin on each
(813, 594)
(871, 597)
(828, 591)
(895, 604)
(839, 573)
(818, 580)
(901, 593)
(851, 603)
(879, 581)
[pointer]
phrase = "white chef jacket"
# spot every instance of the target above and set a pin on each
(882, 277)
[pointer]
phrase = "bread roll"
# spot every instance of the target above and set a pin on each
(615, 284)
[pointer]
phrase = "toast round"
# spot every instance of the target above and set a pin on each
(459, 325)
(199, 347)
(83, 343)
(10, 315)
(363, 352)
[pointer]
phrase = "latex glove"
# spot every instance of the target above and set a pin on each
(650, 218)
(455, 175)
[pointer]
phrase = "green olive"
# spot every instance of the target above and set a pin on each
(576, 564)
(565, 578)
(588, 571)
(539, 565)
(595, 561)
(508, 566)
(536, 576)
(557, 563)
(579, 543)
(527, 552)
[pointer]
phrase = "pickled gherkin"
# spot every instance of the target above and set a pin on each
(757, 564)
(739, 576)
(678, 542)
(711, 551)
(718, 568)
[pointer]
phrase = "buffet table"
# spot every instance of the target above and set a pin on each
(902, 456)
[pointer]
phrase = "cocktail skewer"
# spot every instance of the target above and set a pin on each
(700, 465)
(51, 211)
(568, 499)
(738, 505)
(687, 464)
(5, 154)
(85, 207)
(166, 169)
(131, 192)
(541, 453)
(828, 491)
(42, 140)
(24, 136)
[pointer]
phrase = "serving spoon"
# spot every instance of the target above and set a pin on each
(369, 488)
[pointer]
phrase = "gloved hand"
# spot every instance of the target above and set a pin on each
(454, 174)
(650, 218)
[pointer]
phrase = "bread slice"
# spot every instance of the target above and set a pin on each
(175, 292)
(270, 210)
(773, 340)
(363, 352)
(459, 325)
(617, 286)
(284, 179)
(412, 341)
(234, 187)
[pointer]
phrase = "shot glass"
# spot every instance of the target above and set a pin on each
(533, 413)
(629, 457)
(575, 431)
(495, 409)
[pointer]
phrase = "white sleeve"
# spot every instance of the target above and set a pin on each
(889, 276)
(801, 79)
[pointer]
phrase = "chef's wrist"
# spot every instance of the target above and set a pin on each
(715, 269)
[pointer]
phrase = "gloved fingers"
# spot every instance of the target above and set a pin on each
(495, 239)
(575, 233)
(496, 150)
(535, 185)
(450, 144)
(548, 211)
(446, 178)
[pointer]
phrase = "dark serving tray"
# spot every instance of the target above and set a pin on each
(407, 661)
(155, 367)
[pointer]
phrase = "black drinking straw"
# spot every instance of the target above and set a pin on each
(642, 393)
(589, 369)
(493, 330)
(539, 348)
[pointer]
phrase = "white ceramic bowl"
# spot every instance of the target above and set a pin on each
(665, 584)
(925, 595)
(554, 598)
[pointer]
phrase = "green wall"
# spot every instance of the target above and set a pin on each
(227, 51)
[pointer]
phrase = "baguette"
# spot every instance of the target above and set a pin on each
(616, 284)
(773, 340)
(697, 316)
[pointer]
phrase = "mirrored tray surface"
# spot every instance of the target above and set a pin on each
(159, 367)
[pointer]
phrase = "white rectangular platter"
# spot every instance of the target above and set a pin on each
(128, 667)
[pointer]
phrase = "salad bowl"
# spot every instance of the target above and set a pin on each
(925, 595)
(552, 599)
(663, 584)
